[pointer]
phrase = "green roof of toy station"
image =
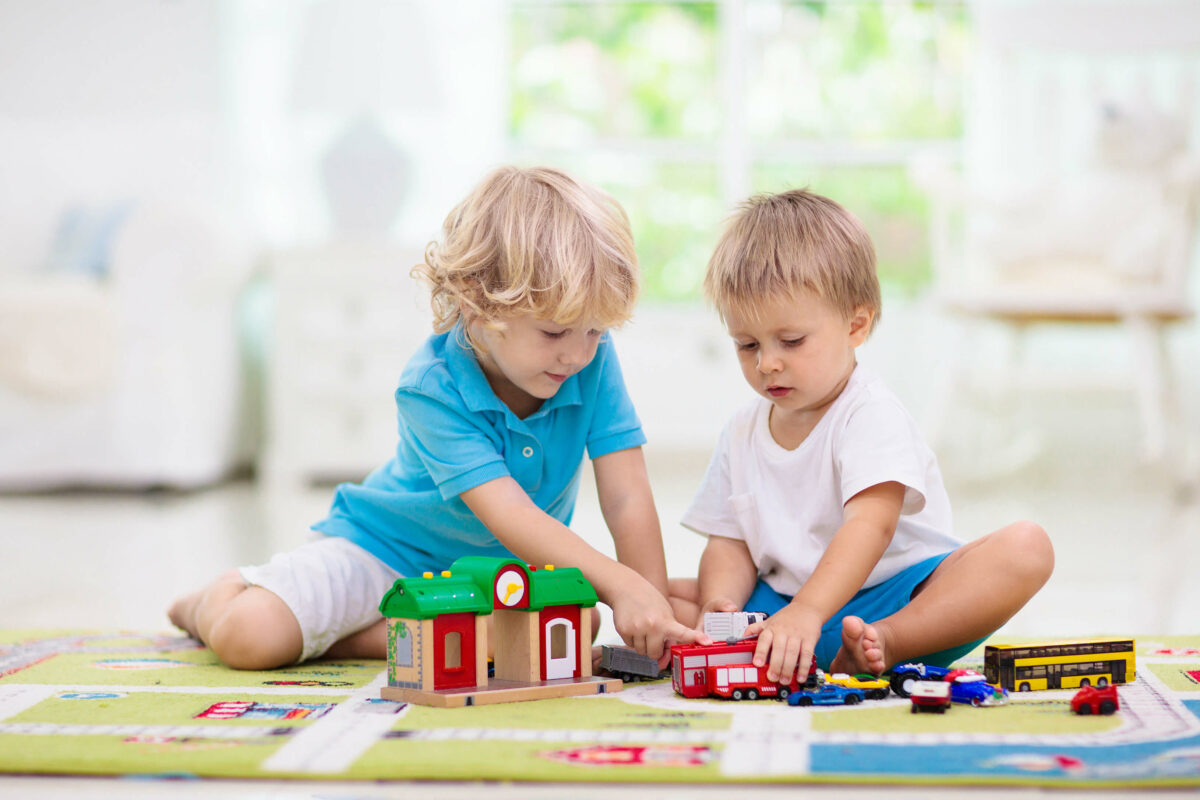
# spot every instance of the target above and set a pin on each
(429, 597)
(467, 587)
(484, 569)
(564, 586)
(548, 586)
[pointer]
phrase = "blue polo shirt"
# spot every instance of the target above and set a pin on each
(455, 434)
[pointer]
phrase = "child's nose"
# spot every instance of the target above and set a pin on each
(767, 362)
(575, 355)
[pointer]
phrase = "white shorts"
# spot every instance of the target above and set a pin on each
(332, 585)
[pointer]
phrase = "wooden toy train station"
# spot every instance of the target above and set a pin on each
(541, 629)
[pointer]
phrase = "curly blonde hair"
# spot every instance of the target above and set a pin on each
(778, 244)
(532, 240)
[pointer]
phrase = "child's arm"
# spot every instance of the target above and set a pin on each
(623, 488)
(791, 634)
(640, 611)
(727, 576)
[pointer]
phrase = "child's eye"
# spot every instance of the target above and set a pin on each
(793, 342)
(595, 332)
(554, 334)
(746, 345)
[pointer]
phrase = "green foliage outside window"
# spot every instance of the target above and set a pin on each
(605, 70)
(627, 95)
(854, 71)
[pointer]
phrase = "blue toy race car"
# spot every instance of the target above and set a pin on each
(827, 694)
(905, 675)
(968, 686)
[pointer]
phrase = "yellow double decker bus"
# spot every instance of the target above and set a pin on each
(1059, 665)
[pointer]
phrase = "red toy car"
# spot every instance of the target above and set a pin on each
(930, 696)
(1096, 700)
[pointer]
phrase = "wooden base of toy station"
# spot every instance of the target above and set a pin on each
(500, 691)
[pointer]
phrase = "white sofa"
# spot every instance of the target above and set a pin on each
(134, 378)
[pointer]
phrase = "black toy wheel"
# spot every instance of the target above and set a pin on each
(902, 682)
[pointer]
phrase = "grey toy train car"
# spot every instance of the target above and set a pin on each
(628, 664)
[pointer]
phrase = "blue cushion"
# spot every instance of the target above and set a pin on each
(84, 237)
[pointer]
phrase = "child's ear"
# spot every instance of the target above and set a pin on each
(860, 325)
(472, 318)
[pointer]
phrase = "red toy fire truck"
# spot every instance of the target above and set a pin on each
(725, 670)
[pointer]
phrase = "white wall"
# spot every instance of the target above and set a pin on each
(101, 102)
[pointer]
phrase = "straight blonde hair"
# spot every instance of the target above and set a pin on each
(779, 244)
(532, 240)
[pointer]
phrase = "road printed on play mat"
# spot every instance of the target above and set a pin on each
(335, 741)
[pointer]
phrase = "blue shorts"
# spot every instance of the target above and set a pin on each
(874, 603)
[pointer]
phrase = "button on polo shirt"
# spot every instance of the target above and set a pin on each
(455, 434)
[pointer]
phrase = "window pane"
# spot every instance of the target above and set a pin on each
(892, 209)
(558, 641)
(676, 215)
(603, 70)
(402, 648)
(860, 71)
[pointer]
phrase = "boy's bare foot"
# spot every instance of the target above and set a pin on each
(862, 648)
(182, 613)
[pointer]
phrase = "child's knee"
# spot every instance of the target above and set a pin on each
(1032, 551)
(256, 633)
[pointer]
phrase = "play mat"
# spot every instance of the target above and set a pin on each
(148, 705)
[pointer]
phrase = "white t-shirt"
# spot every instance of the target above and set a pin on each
(788, 504)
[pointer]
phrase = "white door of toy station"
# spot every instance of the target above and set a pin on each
(560, 648)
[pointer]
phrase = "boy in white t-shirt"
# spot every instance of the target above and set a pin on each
(822, 505)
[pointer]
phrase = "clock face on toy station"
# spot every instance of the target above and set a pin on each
(512, 588)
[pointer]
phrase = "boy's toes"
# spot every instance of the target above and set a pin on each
(182, 613)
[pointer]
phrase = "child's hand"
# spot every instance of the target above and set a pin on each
(790, 637)
(644, 619)
(714, 605)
